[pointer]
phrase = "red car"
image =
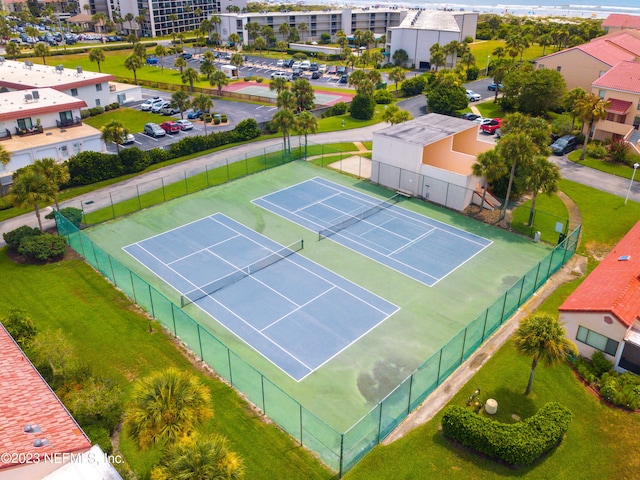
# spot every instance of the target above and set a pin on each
(170, 127)
(492, 126)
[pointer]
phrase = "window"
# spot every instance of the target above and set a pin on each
(98, 87)
(596, 340)
(25, 124)
(97, 102)
(601, 94)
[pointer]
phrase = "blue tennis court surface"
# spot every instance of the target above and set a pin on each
(418, 246)
(294, 312)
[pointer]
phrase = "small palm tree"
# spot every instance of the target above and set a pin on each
(491, 166)
(12, 49)
(204, 103)
(306, 123)
(590, 109)
(166, 406)
(219, 79)
(97, 55)
(56, 173)
(284, 120)
(190, 75)
(134, 63)
(115, 132)
(181, 101)
(542, 337)
(542, 176)
(397, 75)
(5, 156)
(32, 188)
(161, 51)
(180, 63)
(279, 84)
(41, 50)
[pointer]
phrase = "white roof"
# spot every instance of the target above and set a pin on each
(92, 465)
(19, 101)
(430, 20)
(15, 74)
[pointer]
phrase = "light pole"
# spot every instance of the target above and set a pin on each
(488, 58)
(635, 167)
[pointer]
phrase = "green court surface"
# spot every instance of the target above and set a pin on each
(348, 386)
(320, 98)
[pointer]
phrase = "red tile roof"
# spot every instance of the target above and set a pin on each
(624, 76)
(25, 398)
(614, 285)
(621, 20)
(618, 106)
(610, 49)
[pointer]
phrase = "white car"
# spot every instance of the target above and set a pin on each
(278, 75)
(280, 63)
(128, 139)
(185, 124)
(295, 65)
(322, 68)
(304, 65)
(473, 96)
(150, 103)
(159, 106)
(482, 120)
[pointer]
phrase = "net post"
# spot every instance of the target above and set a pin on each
(301, 243)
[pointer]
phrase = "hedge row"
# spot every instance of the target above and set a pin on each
(34, 244)
(91, 167)
(73, 50)
(516, 444)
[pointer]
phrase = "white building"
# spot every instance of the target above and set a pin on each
(431, 158)
(95, 89)
(43, 123)
(420, 29)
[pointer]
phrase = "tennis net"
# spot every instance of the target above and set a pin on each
(233, 277)
(353, 219)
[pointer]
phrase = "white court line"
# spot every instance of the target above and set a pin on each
(300, 306)
(202, 250)
(425, 234)
(321, 201)
(167, 266)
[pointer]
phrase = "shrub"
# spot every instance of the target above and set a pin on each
(596, 151)
(134, 160)
(5, 203)
(14, 238)
(216, 121)
(472, 73)
(414, 86)
(621, 389)
(600, 364)
(43, 247)
(74, 215)
(93, 111)
(300, 56)
(260, 80)
(363, 107)
(516, 444)
(96, 402)
(90, 167)
(223, 118)
(246, 129)
(84, 114)
(617, 151)
(585, 370)
(99, 435)
(383, 97)
(20, 326)
(158, 155)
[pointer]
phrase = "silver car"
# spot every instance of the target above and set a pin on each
(154, 130)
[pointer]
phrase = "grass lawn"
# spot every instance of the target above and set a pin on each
(601, 441)
(550, 209)
(132, 119)
(331, 124)
(482, 49)
(110, 334)
(617, 169)
(490, 110)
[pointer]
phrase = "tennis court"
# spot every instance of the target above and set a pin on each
(286, 307)
(321, 97)
(418, 246)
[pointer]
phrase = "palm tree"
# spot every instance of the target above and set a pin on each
(41, 50)
(284, 120)
(128, 18)
(12, 49)
(161, 51)
(282, 47)
(200, 458)
(180, 63)
(286, 100)
(5, 156)
(516, 149)
(134, 63)
(590, 109)
(468, 60)
(32, 188)
(306, 123)
(115, 132)
(279, 84)
(140, 20)
(237, 59)
(181, 101)
(259, 44)
(204, 103)
(492, 167)
(96, 55)
(219, 79)
(253, 30)
(236, 40)
(542, 176)
(302, 29)
(140, 50)
(99, 20)
(452, 48)
(438, 57)
(397, 75)
(284, 30)
(542, 337)
(166, 406)
(56, 173)
(303, 93)
(190, 75)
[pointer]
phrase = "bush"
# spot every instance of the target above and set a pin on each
(260, 80)
(517, 444)
(472, 73)
(99, 435)
(43, 247)
(363, 107)
(600, 364)
(90, 167)
(97, 402)
(93, 111)
(84, 114)
(158, 155)
(621, 389)
(383, 97)
(246, 129)
(134, 160)
(74, 215)
(618, 151)
(339, 108)
(216, 121)
(223, 118)
(414, 86)
(14, 238)
(5, 203)
(300, 56)
(20, 326)
(596, 151)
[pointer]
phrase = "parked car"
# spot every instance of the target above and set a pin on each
(341, 70)
(482, 120)
(296, 65)
(170, 127)
(278, 75)
(473, 96)
(154, 130)
(316, 75)
(305, 65)
(313, 67)
(280, 63)
(152, 60)
(128, 139)
(159, 106)
(195, 113)
(288, 63)
(184, 124)
(493, 86)
(150, 103)
(564, 145)
(469, 116)
(344, 78)
(186, 55)
(322, 68)
(332, 70)
(491, 126)
(169, 110)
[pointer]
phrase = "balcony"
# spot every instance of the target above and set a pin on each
(5, 134)
(616, 128)
(24, 132)
(67, 123)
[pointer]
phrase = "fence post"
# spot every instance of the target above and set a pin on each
(112, 272)
(164, 195)
(173, 317)
(504, 305)
(484, 328)
(464, 342)
(341, 456)
(113, 210)
(300, 424)
(379, 423)
(200, 342)
(186, 183)
(133, 287)
(229, 359)
(206, 169)
(264, 407)
(138, 195)
(153, 314)
(410, 390)
(439, 365)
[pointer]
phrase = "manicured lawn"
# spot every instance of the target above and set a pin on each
(490, 110)
(481, 49)
(549, 210)
(132, 119)
(618, 169)
(109, 334)
(331, 124)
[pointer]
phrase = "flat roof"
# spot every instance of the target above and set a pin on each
(16, 105)
(430, 20)
(50, 136)
(328, 11)
(27, 399)
(427, 129)
(19, 76)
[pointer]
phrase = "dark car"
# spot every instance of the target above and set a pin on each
(493, 86)
(344, 79)
(341, 70)
(316, 75)
(332, 70)
(313, 67)
(288, 63)
(469, 116)
(196, 113)
(186, 55)
(564, 145)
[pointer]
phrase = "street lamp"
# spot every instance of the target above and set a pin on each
(488, 58)
(635, 167)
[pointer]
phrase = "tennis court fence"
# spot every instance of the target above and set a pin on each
(339, 450)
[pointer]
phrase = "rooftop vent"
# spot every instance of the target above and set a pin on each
(41, 442)
(78, 70)
(35, 94)
(32, 428)
(28, 98)
(60, 68)
(28, 64)
(624, 258)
